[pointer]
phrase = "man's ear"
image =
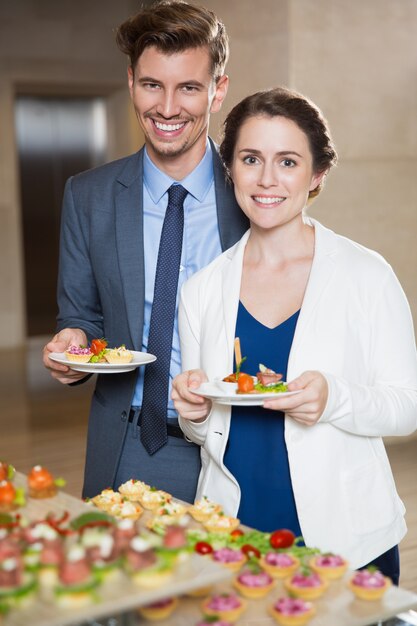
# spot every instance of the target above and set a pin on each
(130, 80)
(222, 86)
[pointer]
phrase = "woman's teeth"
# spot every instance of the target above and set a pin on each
(268, 200)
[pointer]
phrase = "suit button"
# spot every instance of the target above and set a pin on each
(124, 416)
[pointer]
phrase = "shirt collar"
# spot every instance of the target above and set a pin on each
(197, 183)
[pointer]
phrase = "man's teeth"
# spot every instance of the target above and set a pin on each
(268, 200)
(169, 127)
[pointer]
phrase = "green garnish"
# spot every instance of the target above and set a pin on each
(91, 518)
(239, 365)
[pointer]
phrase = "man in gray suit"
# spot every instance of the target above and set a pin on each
(111, 226)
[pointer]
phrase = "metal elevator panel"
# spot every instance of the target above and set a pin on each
(56, 138)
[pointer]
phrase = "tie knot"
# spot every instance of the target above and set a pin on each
(176, 195)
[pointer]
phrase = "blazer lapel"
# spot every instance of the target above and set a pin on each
(231, 279)
(231, 219)
(322, 270)
(129, 241)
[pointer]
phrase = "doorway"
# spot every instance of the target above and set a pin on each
(56, 138)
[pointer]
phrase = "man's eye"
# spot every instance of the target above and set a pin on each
(189, 88)
(151, 85)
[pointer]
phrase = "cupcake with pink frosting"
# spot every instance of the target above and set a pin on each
(330, 566)
(369, 584)
(306, 584)
(279, 564)
(292, 611)
(225, 606)
(254, 582)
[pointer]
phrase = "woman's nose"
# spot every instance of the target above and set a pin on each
(268, 176)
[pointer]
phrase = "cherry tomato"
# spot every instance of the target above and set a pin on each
(250, 551)
(202, 547)
(98, 345)
(282, 538)
(245, 383)
(236, 533)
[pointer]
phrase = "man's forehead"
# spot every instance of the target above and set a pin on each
(178, 63)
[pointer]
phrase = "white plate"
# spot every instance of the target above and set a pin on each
(139, 358)
(213, 392)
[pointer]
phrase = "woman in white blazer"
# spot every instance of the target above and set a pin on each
(352, 356)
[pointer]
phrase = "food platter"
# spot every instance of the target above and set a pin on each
(116, 594)
(212, 391)
(139, 358)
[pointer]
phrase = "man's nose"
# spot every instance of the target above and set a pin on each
(169, 105)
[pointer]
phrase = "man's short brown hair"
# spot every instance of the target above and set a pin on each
(173, 26)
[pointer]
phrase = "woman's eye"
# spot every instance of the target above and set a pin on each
(288, 163)
(250, 160)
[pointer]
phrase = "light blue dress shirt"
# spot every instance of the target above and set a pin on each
(201, 243)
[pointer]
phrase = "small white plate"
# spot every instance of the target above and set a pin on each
(231, 398)
(139, 358)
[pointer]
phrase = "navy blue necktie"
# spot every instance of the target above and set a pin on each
(153, 433)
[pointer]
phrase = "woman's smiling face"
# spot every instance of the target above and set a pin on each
(272, 171)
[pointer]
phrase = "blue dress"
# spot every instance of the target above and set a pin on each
(256, 453)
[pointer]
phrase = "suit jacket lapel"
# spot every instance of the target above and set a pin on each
(231, 219)
(129, 241)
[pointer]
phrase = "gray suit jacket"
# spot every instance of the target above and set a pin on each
(101, 286)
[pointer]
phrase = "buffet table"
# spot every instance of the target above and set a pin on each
(119, 597)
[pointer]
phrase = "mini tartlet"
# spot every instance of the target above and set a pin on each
(153, 498)
(369, 584)
(254, 584)
(118, 355)
(203, 509)
(133, 489)
(231, 558)
(292, 611)
(220, 523)
(226, 606)
(158, 610)
(330, 566)
(279, 564)
(78, 354)
(307, 585)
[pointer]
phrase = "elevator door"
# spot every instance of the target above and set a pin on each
(56, 137)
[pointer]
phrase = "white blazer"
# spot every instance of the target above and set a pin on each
(356, 328)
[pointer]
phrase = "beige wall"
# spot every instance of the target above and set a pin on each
(357, 60)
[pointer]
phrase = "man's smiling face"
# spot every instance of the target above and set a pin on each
(173, 96)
